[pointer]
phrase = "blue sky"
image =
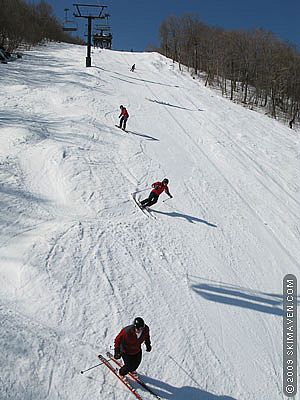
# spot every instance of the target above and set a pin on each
(135, 24)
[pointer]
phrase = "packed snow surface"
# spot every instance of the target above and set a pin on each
(79, 260)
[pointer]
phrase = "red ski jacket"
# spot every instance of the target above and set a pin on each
(128, 342)
(124, 112)
(159, 188)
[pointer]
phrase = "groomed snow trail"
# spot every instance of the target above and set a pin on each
(79, 260)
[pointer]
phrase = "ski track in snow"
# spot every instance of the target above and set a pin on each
(79, 260)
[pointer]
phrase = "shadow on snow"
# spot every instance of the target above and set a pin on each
(167, 391)
(148, 137)
(134, 78)
(268, 303)
(163, 103)
(189, 218)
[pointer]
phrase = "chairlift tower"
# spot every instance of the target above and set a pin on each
(90, 12)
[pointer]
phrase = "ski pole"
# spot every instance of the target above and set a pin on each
(140, 191)
(167, 199)
(82, 372)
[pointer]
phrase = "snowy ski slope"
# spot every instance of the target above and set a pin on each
(79, 260)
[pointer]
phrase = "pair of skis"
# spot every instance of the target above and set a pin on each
(124, 380)
(144, 210)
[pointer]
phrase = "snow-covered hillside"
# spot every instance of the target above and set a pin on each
(79, 260)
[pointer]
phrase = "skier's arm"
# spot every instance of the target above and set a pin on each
(118, 341)
(168, 193)
(148, 341)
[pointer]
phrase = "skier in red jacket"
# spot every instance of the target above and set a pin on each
(124, 117)
(158, 188)
(128, 345)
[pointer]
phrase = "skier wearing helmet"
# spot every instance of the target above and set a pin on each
(158, 188)
(128, 345)
(124, 117)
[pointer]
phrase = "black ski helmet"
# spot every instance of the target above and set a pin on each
(139, 322)
(166, 181)
(121, 106)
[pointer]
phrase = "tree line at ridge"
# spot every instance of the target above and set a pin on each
(29, 24)
(252, 67)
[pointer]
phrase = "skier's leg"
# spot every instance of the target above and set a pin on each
(135, 362)
(131, 363)
(152, 199)
(124, 123)
(121, 122)
(145, 201)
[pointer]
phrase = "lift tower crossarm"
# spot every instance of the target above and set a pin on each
(79, 14)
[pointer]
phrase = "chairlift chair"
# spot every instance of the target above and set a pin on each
(69, 25)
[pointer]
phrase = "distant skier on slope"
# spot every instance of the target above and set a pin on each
(124, 117)
(128, 345)
(158, 188)
(132, 68)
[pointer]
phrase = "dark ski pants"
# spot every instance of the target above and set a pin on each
(123, 122)
(131, 363)
(152, 199)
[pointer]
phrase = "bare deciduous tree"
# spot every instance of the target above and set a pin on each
(29, 24)
(252, 67)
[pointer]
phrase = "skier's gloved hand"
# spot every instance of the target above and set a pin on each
(171, 197)
(148, 347)
(117, 354)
